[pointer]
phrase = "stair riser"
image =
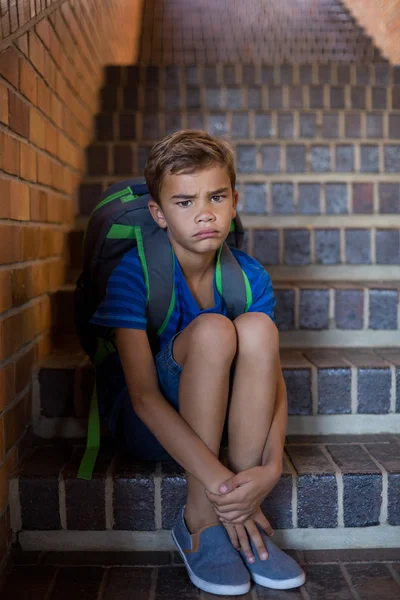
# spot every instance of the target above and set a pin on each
(326, 316)
(335, 487)
(293, 159)
(254, 125)
(322, 392)
(231, 74)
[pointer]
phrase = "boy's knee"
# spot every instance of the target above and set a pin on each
(257, 333)
(215, 334)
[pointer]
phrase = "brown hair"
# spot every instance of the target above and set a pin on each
(186, 151)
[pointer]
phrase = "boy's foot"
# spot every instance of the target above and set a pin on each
(212, 563)
(279, 571)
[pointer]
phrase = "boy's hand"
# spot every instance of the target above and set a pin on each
(238, 535)
(240, 496)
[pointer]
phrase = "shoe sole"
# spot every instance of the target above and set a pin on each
(206, 586)
(276, 584)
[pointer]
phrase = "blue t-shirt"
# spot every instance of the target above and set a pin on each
(124, 304)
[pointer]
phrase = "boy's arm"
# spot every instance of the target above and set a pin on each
(274, 446)
(171, 430)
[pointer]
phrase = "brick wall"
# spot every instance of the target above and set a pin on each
(381, 20)
(52, 56)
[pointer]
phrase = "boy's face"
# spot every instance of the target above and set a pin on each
(191, 204)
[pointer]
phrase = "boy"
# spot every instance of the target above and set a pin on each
(210, 373)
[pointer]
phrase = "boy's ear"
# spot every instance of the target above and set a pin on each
(157, 214)
(235, 202)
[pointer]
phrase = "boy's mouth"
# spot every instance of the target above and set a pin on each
(204, 233)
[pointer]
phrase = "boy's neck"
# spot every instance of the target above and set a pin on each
(196, 266)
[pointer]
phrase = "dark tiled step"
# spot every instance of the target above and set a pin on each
(323, 382)
(242, 125)
(318, 306)
(376, 579)
(311, 199)
(338, 481)
(261, 159)
(250, 74)
(247, 97)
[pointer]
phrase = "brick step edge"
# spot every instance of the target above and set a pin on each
(357, 313)
(332, 483)
(379, 73)
(343, 381)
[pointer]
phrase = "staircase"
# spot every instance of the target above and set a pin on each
(317, 147)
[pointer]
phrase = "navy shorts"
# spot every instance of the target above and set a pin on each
(116, 410)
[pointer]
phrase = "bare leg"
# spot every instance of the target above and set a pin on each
(205, 350)
(254, 387)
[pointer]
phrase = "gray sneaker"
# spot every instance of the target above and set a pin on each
(212, 563)
(279, 571)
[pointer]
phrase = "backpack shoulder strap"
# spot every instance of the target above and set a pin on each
(232, 283)
(159, 263)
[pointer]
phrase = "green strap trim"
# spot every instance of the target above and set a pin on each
(233, 226)
(142, 257)
(104, 348)
(121, 232)
(218, 272)
(93, 440)
(125, 195)
(132, 232)
(172, 303)
(249, 294)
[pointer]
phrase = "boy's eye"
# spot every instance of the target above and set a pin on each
(183, 203)
(218, 197)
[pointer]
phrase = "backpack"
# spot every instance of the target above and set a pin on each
(120, 221)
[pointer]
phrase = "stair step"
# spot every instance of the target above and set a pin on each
(326, 312)
(258, 124)
(356, 247)
(132, 505)
(378, 74)
(344, 390)
(257, 159)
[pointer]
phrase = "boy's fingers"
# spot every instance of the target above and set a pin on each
(231, 530)
(263, 522)
(235, 497)
(256, 539)
(231, 508)
(244, 543)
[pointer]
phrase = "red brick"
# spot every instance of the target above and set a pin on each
(9, 154)
(28, 84)
(5, 24)
(9, 66)
(36, 128)
(18, 114)
(28, 163)
(22, 43)
(3, 104)
(9, 244)
(36, 52)
(44, 96)
(19, 204)
(51, 137)
(14, 423)
(7, 385)
(23, 370)
(30, 243)
(40, 278)
(44, 169)
(13, 16)
(5, 195)
(43, 31)
(38, 199)
(21, 285)
(23, 12)
(5, 290)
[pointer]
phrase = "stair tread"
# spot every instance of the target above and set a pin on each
(67, 352)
